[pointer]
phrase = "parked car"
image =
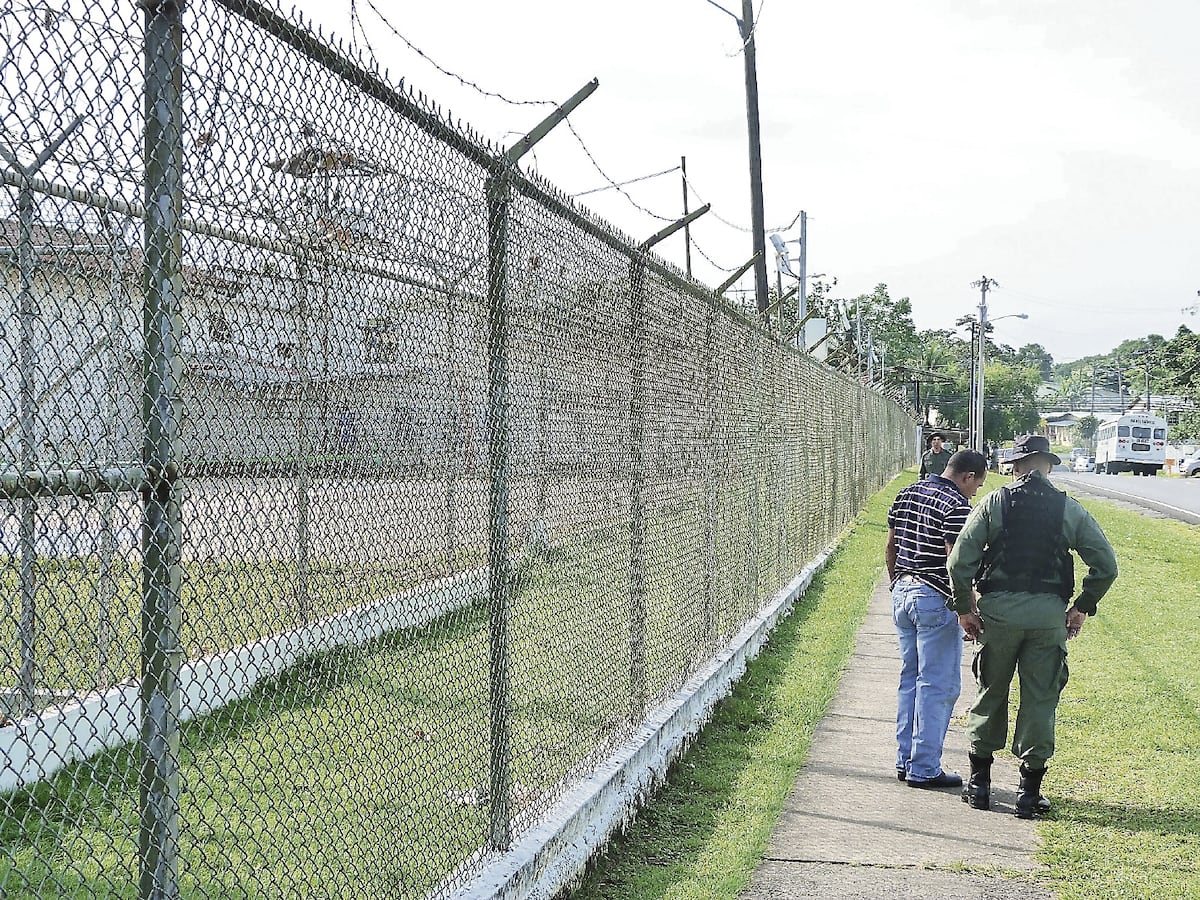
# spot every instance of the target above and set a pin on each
(1004, 460)
(1190, 467)
(1084, 464)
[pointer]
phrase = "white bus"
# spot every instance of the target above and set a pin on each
(1135, 443)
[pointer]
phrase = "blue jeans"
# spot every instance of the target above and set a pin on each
(930, 676)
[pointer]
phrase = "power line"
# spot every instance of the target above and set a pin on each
(1090, 307)
(611, 183)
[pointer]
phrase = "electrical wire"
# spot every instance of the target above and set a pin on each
(609, 187)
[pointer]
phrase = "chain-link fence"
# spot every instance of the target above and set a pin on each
(361, 493)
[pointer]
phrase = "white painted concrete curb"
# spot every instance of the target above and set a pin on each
(38, 746)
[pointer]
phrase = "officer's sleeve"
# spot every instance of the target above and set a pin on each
(1086, 538)
(968, 553)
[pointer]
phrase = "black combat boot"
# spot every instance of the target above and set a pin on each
(1029, 793)
(977, 792)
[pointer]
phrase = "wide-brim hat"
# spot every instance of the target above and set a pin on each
(1031, 445)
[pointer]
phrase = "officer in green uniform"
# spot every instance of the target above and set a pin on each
(1015, 549)
(933, 460)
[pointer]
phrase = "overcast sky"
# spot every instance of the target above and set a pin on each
(1052, 146)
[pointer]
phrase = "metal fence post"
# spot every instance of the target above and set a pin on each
(303, 446)
(28, 363)
(453, 427)
(756, 517)
(710, 481)
(637, 521)
(499, 559)
(158, 833)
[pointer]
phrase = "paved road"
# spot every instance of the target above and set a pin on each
(1177, 498)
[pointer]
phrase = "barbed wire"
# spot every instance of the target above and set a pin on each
(611, 182)
(734, 225)
(708, 259)
(465, 82)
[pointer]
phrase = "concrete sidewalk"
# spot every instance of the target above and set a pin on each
(851, 830)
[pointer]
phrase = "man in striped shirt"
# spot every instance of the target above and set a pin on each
(923, 523)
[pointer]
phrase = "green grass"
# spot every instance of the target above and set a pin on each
(1126, 775)
(706, 829)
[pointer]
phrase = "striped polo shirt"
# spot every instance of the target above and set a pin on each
(926, 516)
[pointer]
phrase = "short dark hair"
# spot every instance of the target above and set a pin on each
(937, 434)
(965, 461)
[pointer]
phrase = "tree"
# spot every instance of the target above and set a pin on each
(1188, 427)
(1087, 428)
(1180, 362)
(1073, 390)
(945, 353)
(1035, 356)
(1009, 400)
(887, 321)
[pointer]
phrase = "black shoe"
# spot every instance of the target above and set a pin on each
(901, 773)
(941, 780)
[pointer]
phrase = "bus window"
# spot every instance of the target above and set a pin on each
(1123, 431)
(1141, 434)
(1160, 434)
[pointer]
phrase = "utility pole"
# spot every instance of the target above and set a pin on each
(758, 223)
(984, 284)
(972, 383)
(1093, 413)
(687, 229)
(802, 302)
